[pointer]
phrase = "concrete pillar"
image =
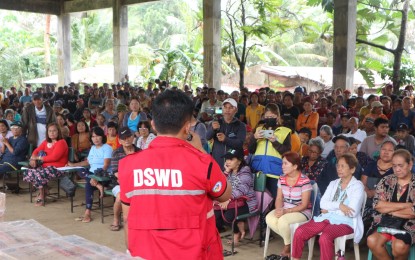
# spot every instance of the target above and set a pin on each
(120, 40)
(344, 43)
(64, 49)
(212, 58)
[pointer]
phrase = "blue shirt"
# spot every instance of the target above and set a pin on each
(132, 124)
(96, 156)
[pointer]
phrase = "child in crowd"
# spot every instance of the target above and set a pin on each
(305, 135)
(112, 136)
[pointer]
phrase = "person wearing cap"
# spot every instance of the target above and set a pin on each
(308, 118)
(254, 111)
(58, 109)
(369, 126)
(299, 93)
(375, 112)
(172, 184)
(126, 138)
(227, 132)
(329, 173)
(239, 176)
(371, 145)
(404, 139)
(35, 117)
(14, 149)
(80, 106)
(209, 106)
(404, 115)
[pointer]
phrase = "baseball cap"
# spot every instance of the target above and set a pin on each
(347, 91)
(57, 103)
(402, 127)
(377, 104)
(341, 137)
(37, 95)
(234, 153)
(230, 101)
(353, 140)
(370, 120)
(299, 89)
(125, 132)
(16, 123)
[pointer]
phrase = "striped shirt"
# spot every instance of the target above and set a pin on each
(292, 194)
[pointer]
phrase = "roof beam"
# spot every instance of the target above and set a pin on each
(43, 7)
(83, 6)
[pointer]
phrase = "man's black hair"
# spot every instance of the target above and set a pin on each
(379, 121)
(171, 110)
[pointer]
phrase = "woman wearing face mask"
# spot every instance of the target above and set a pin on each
(268, 144)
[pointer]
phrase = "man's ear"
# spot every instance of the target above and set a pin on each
(153, 125)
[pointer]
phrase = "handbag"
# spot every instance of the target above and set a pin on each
(68, 186)
(233, 204)
(391, 222)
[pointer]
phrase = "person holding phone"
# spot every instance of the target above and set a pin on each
(268, 144)
(227, 132)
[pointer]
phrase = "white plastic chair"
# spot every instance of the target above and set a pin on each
(340, 242)
(294, 226)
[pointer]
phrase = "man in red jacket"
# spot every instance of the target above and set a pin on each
(168, 190)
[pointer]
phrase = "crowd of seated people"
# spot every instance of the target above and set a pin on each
(344, 141)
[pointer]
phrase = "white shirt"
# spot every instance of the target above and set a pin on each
(41, 128)
(359, 135)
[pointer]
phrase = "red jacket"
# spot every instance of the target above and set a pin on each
(170, 194)
(56, 155)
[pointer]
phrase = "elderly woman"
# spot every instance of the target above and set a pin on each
(341, 206)
(146, 136)
(240, 177)
(14, 149)
(49, 155)
(394, 203)
(99, 157)
(267, 144)
(326, 134)
(293, 201)
(313, 163)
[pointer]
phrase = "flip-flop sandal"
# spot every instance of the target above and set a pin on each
(39, 202)
(115, 228)
(229, 253)
(86, 220)
(79, 218)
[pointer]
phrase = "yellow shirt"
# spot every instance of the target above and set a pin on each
(254, 115)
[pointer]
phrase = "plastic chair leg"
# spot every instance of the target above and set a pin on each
(356, 251)
(369, 255)
(311, 247)
(267, 233)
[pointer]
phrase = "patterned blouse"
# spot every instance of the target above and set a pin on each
(312, 172)
(384, 192)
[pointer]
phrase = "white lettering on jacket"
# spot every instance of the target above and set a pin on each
(158, 177)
